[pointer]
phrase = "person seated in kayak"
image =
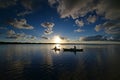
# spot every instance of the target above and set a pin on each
(55, 48)
(74, 48)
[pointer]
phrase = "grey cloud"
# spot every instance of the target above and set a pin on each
(79, 30)
(110, 27)
(110, 8)
(79, 22)
(92, 38)
(7, 3)
(79, 8)
(52, 2)
(20, 24)
(27, 4)
(44, 37)
(98, 27)
(74, 8)
(3, 28)
(48, 27)
(13, 35)
(24, 13)
(91, 19)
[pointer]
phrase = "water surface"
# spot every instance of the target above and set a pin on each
(39, 62)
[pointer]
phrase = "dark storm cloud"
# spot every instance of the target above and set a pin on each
(7, 3)
(20, 24)
(48, 27)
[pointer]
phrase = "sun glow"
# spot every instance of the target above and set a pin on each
(57, 39)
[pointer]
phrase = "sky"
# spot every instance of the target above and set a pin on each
(59, 20)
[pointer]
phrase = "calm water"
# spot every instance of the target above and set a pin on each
(39, 62)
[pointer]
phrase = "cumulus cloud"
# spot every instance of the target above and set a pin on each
(7, 3)
(79, 22)
(48, 27)
(91, 19)
(79, 30)
(110, 27)
(20, 24)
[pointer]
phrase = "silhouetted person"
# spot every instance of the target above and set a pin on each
(74, 47)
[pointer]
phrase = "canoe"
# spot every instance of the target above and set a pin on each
(56, 49)
(72, 50)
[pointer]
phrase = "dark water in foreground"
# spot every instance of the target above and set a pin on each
(39, 62)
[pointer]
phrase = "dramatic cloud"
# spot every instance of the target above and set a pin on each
(7, 3)
(79, 30)
(79, 22)
(92, 38)
(91, 19)
(73, 8)
(110, 8)
(20, 24)
(110, 27)
(79, 8)
(48, 27)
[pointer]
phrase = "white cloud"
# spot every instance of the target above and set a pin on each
(79, 22)
(48, 27)
(91, 19)
(79, 30)
(20, 24)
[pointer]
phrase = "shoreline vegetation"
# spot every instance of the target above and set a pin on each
(69, 43)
